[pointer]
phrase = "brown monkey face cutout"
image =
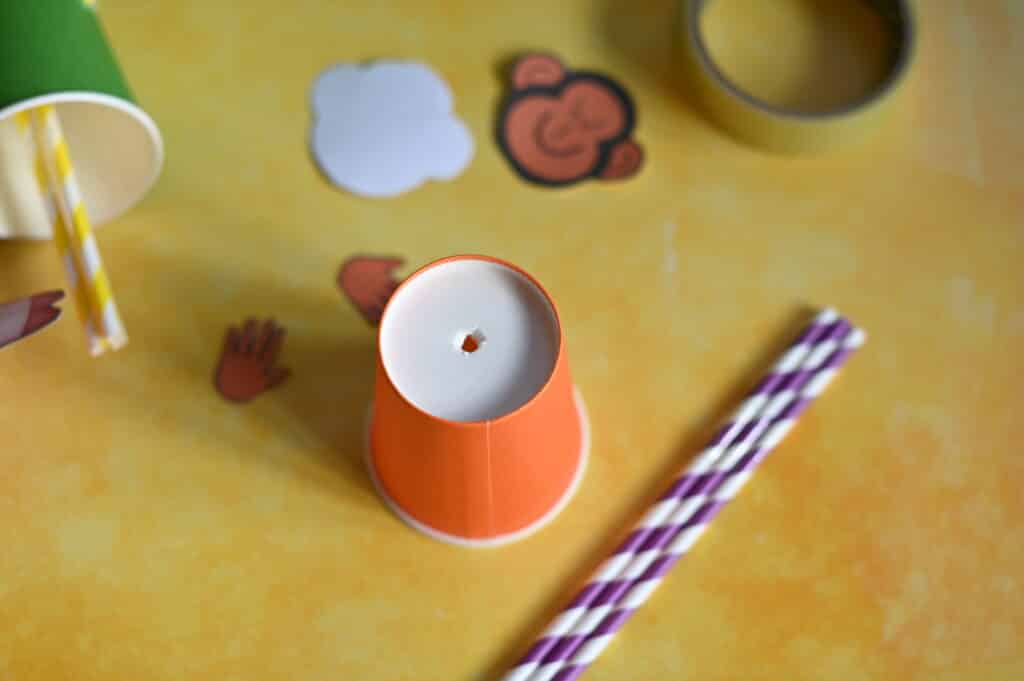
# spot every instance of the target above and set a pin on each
(559, 127)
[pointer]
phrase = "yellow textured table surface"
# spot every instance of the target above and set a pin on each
(149, 530)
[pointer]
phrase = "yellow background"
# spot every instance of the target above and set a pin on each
(149, 530)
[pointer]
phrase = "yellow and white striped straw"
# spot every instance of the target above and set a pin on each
(78, 294)
(76, 239)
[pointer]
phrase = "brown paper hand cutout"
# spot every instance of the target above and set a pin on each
(368, 282)
(21, 318)
(248, 362)
(559, 127)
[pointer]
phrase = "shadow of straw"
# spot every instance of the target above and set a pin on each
(690, 444)
(25, 264)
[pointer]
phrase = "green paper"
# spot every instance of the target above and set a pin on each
(52, 46)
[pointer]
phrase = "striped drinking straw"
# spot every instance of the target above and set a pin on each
(73, 234)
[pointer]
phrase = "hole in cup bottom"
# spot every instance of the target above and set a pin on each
(472, 341)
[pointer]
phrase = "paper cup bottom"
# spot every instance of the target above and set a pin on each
(581, 413)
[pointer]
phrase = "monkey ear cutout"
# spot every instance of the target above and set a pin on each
(625, 160)
(537, 69)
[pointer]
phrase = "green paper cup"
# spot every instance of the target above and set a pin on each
(55, 52)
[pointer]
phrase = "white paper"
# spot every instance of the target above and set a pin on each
(383, 129)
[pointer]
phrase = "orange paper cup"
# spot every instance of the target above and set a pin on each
(477, 436)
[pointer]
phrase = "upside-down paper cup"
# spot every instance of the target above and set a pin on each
(477, 435)
(55, 52)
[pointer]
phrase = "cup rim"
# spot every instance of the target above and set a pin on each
(134, 111)
(499, 539)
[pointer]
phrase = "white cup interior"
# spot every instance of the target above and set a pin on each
(116, 149)
(469, 340)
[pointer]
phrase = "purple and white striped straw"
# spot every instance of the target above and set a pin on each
(738, 428)
(678, 518)
(693, 507)
(736, 472)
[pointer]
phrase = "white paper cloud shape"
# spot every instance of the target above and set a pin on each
(385, 128)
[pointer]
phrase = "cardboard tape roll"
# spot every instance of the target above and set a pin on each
(787, 130)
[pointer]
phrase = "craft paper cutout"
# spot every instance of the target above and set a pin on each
(248, 361)
(368, 282)
(559, 127)
(22, 318)
(386, 128)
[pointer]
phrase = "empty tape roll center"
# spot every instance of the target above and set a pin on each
(796, 75)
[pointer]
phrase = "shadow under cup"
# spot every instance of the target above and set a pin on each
(477, 435)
